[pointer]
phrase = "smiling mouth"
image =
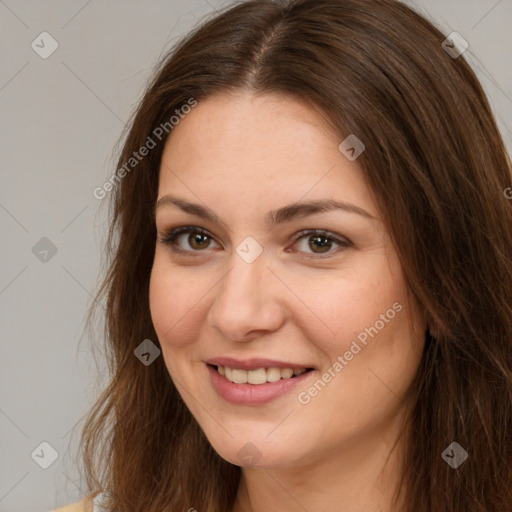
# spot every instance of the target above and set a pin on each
(260, 375)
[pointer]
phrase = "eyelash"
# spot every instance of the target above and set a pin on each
(171, 235)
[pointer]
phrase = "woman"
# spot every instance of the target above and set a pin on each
(309, 299)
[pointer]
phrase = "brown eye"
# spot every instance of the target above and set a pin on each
(188, 239)
(318, 242)
(198, 240)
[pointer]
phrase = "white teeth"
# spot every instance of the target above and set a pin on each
(239, 376)
(273, 374)
(286, 373)
(259, 376)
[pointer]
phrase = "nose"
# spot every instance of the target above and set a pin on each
(247, 301)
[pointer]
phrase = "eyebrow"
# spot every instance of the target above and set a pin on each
(274, 217)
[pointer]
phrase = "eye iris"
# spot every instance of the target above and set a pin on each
(198, 240)
(315, 242)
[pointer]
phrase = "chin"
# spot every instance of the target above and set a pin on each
(256, 451)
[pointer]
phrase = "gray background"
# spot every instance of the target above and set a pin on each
(60, 118)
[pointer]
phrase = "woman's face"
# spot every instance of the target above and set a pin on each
(266, 282)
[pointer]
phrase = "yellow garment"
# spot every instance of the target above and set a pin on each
(85, 505)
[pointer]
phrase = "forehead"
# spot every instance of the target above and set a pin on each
(267, 149)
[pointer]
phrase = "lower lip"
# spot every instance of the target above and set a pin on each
(250, 394)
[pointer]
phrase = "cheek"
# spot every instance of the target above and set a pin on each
(174, 302)
(379, 351)
(337, 311)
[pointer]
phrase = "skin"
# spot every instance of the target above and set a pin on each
(242, 156)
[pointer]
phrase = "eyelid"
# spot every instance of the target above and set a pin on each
(342, 241)
(171, 234)
(322, 232)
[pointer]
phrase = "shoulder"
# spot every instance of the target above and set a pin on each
(85, 505)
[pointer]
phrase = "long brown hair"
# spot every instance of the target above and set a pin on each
(438, 167)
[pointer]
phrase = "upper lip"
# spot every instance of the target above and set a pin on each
(254, 363)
